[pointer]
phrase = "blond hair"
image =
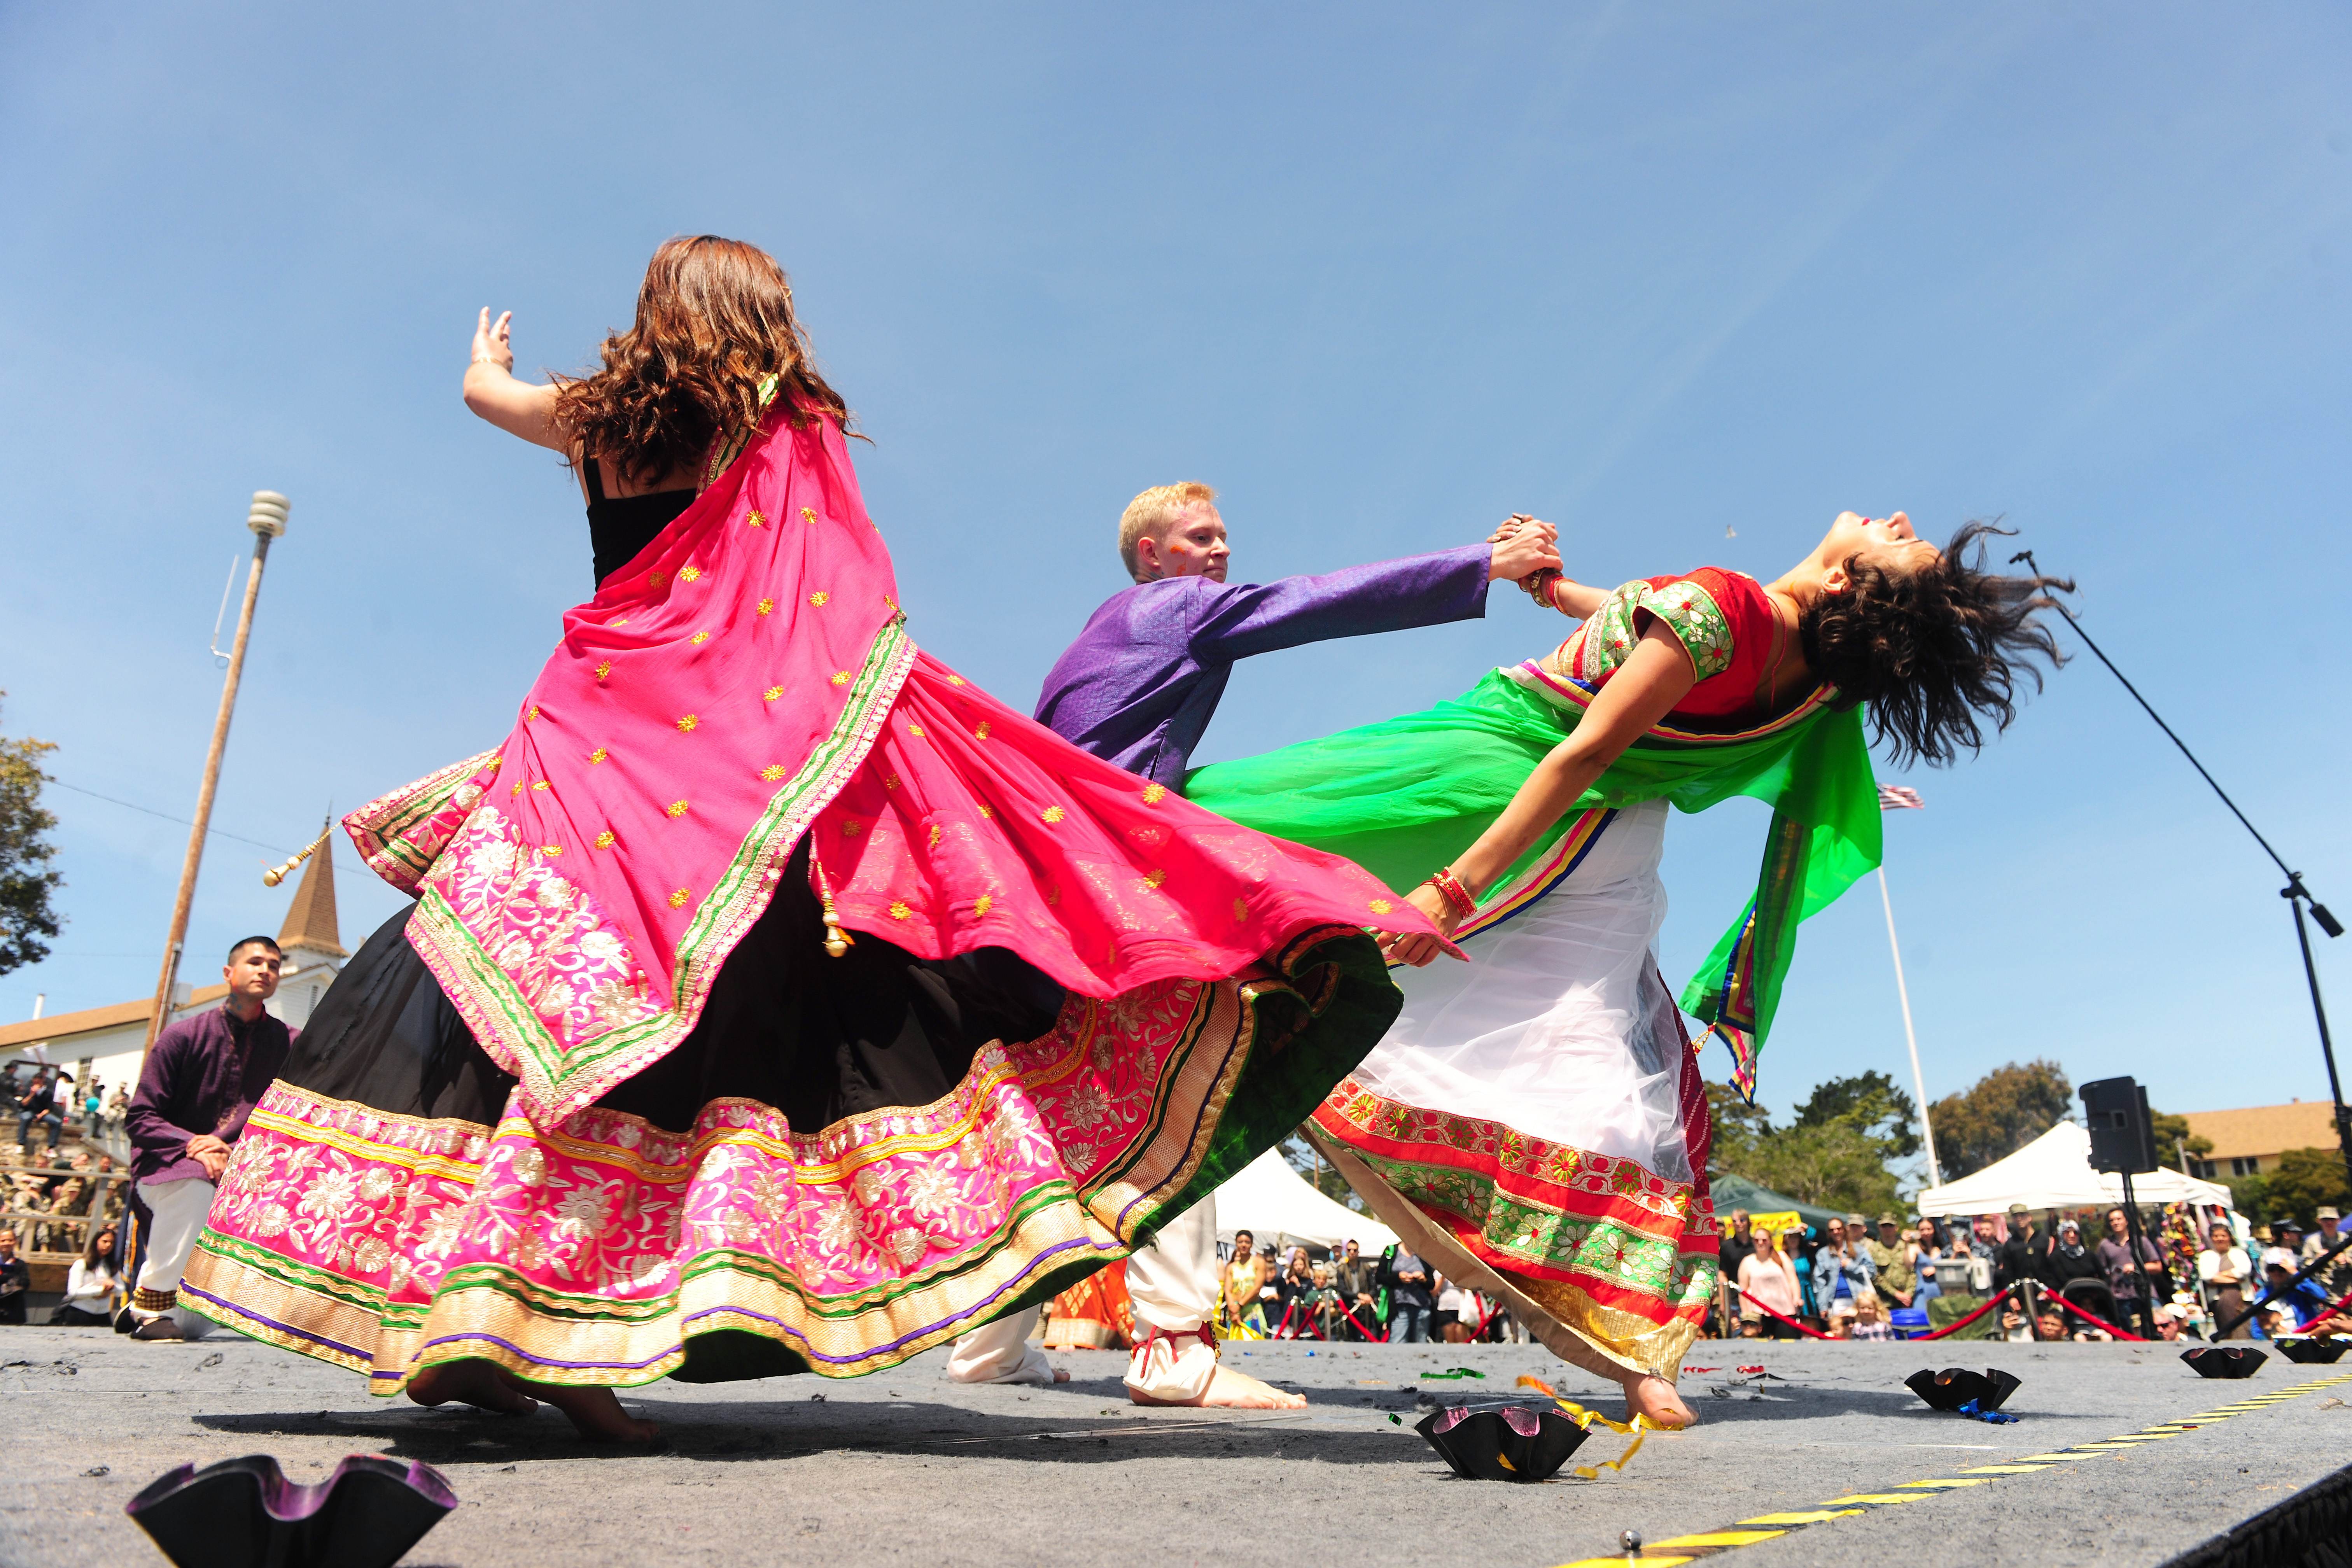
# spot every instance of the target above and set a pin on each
(1151, 513)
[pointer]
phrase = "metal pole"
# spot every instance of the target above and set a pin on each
(267, 521)
(2138, 1265)
(1910, 1037)
(2326, 1042)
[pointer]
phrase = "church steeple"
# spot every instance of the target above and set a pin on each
(310, 927)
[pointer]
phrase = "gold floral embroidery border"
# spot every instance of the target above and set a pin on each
(560, 1080)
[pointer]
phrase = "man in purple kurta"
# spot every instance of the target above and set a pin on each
(1139, 686)
(200, 1081)
(1141, 682)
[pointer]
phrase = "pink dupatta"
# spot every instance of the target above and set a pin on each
(581, 886)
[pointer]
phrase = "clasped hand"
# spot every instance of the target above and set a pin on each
(1417, 948)
(1523, 545)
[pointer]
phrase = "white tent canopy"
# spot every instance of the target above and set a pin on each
(1278, 1207)
(2055, 1171)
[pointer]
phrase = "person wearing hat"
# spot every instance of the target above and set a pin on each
(1893, 1279)
(2017, 1259)
(2338, 1274)
(2297, 1303)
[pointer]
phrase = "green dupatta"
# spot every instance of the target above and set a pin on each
(1408, 795)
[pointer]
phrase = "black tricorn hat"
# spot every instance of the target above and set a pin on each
(2224, 1360)
(1499, 1441)
(2308, 1350)
(244, 1513)
(1955, 1386)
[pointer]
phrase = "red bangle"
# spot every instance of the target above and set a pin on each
(1449, 887)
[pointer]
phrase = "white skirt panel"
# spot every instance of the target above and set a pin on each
(1559, 1026)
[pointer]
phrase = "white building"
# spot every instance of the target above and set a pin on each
(109, 1041)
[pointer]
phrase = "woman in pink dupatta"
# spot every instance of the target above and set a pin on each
(774, 1000)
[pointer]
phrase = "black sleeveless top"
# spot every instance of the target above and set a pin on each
(620, 526)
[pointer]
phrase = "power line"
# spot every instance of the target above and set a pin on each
(150, 811)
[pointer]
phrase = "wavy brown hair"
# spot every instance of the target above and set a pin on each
(1933, 651)
(714, 319)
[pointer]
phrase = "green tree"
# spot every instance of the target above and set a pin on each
(2251, 1196)
(1837, 1160)
(2305, 1179)
(2175, 1144)
(2002, 1112)
(1872, 1104)
(26, 885)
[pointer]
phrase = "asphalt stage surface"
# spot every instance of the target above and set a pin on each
(907, 1467)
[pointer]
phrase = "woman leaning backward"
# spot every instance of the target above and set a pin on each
(774, 999)
(1535, 1124)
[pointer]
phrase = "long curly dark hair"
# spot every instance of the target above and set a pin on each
(1933, 651)
(714, 319)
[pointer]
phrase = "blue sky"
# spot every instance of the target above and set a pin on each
(1380, 273)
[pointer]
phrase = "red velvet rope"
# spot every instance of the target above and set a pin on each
(1956, 1326)
(1939, 1333)
(1792, 1322)
(2059, 1298)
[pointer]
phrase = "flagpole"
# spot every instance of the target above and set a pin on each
(1910, 1035)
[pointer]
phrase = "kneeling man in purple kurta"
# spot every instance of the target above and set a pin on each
(1139, 686)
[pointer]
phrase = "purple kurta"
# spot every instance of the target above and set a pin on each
(1141, 682)
(203, 1075)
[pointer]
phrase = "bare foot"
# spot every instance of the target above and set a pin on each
(1061, 1374)
(596, 1414)
(483, 1384)
(1655, 1398)
(1233, 1389)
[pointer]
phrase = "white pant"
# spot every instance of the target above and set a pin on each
(1001, 1352)
(1173, 1283)
(177, 1211)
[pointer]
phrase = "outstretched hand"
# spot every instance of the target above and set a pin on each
(491, 340)
(1522, 545)
(1417, 948)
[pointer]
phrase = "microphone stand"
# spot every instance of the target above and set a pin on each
(2294, 892)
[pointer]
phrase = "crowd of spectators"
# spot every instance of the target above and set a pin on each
(1848, 1279)
(1286, 1293)
(60, 1198)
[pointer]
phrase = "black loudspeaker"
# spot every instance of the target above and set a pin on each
(2122, 1135)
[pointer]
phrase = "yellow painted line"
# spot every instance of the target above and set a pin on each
(1712, 1542)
